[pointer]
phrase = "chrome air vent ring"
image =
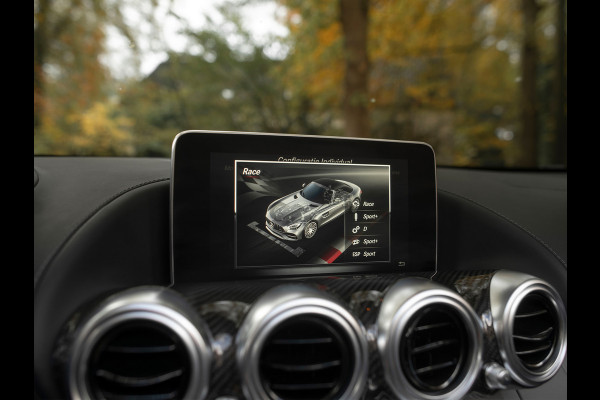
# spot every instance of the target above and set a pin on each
(419, 316)
(289, 316)
(520, 302)
(447, 338)
(176, 340)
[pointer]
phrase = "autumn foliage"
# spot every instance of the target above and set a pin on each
(456, 74)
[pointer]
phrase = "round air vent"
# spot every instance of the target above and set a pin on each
(306, 357)
(140, 344)
(139, 358)
(530, 322)
(534, 331)
(434, 348)
(299, 343)
(429, 339)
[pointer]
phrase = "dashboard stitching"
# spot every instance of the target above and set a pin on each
(44, 267)
(544, 244)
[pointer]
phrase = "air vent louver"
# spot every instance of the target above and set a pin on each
(534, 330)
(142, 343)
(434, 348)
(429, 339)
(530, 324)
(142, 360)
(306, 357)
(300, 342)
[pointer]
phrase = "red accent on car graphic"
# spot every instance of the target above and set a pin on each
(330, 255)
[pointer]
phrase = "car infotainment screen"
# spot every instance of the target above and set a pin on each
(247, 205)
(314, 212)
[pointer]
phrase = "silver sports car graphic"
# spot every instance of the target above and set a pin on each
(300, 214)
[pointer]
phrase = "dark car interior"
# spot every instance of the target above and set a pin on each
(128, 302)
(300, 200)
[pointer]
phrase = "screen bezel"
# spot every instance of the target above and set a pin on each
(191, 182)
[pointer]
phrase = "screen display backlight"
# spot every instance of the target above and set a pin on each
(293, 213)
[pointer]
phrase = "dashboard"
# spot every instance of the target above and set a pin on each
(265, 266)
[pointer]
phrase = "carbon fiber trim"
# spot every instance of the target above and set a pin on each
(220, 304)
(223, 307)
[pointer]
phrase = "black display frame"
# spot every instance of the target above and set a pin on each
(200, 255)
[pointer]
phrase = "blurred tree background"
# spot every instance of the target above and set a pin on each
(482, 81)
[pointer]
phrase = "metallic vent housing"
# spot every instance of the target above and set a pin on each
(509, 290)
(404, 301)
(155, 306)
(289, 303)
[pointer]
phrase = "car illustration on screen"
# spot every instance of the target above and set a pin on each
(301, 213)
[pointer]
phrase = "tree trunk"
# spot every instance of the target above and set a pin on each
(560, 97)
(529, 63)
(354, 19)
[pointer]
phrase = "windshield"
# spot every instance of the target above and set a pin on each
(315, 193)
(482, 81)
